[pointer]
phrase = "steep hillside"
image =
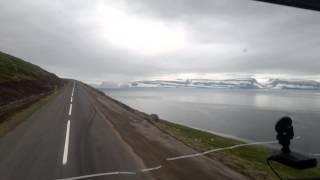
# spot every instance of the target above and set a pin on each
(20, 79)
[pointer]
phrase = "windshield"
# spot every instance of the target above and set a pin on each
(146, 89)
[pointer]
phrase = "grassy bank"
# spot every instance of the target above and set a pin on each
(16, 118)
(15, 69)
(249, 160)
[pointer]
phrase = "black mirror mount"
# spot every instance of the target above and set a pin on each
(285, 134)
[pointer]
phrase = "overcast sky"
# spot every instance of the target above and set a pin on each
(126, 40)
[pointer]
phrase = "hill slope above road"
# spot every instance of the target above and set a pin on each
(20, 79)
(15, 69)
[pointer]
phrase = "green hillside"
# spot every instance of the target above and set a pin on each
(20, 80)
(15, 69)
(22, 84)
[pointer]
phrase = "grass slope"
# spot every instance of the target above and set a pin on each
(15, 69)
(22, 84)
(250, 160)
(20, 80)
(24, 112)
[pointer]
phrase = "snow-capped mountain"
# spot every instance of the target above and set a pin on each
(159, 83)
(249, 83)
(293, 84)
(109, 85)
(106, 84)
(244, 83)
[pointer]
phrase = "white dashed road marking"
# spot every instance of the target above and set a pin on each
(66, 145)
(70, 110)
(66, 142)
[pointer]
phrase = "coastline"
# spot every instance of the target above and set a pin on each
(249, 160)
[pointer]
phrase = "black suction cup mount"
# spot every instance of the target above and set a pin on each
(285, 133)
(295, 160)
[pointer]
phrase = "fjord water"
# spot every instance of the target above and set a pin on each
(247, 114)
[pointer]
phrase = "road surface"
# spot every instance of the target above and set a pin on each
(81, 132)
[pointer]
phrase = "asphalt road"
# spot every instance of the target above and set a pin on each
(81, 132)
(37, 148)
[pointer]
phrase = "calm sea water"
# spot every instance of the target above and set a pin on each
(247, 114)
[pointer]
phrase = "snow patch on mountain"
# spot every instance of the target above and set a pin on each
(240, 83)
(249, 83)
(293, 84)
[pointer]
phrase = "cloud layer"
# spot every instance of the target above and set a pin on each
(142, 39)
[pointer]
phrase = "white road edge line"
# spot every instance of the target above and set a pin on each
(151, 169)
(223, 149)
(99, 174)
(70, 109)
(219, 149)
(113, 173)
(71, 99)
(172, 159)
(66, 145)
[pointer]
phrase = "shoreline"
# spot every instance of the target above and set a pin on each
(247, 160)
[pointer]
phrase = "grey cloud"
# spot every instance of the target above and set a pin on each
(48, 35)
(278, 39)
(186, 8)
(269, 38)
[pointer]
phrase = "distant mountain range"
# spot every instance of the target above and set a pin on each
(293, 84)
(243, 83)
